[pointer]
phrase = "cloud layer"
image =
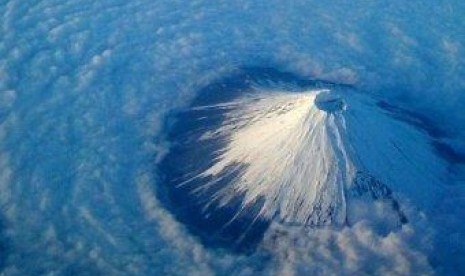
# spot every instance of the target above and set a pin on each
(85, 87)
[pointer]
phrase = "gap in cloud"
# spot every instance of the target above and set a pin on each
(263, 146)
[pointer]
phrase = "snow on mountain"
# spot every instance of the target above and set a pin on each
(294, 153)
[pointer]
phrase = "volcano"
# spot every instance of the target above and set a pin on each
(265, 146)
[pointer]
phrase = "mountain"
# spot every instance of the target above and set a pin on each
(265, 146)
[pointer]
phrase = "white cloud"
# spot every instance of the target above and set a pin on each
(72, 149)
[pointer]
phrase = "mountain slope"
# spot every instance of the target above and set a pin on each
(276, 149)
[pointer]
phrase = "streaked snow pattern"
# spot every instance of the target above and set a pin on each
(298, 155)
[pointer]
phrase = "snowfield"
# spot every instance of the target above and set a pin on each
(350, 162)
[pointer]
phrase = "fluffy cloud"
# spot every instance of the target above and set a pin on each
(85, 87)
